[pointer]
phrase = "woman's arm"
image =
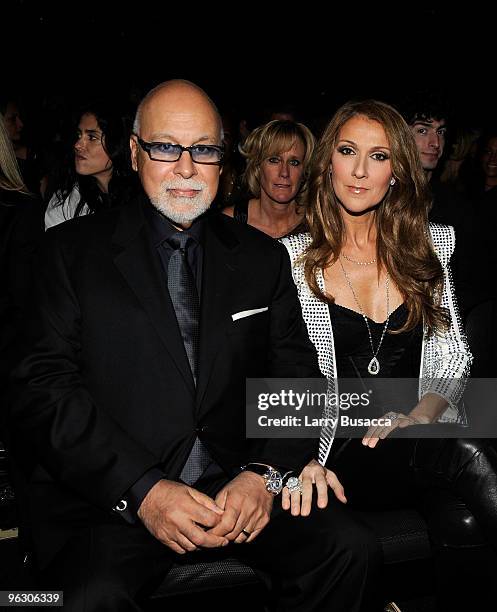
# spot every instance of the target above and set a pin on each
(446, 356)
(446, 360)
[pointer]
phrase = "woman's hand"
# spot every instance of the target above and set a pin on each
(312, 474)
(397, 419)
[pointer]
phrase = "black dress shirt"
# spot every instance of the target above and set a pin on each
(160, 230)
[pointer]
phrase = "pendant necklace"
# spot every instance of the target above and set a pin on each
(374, 364)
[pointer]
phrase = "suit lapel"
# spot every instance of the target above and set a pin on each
(140, 266)
(219, 279)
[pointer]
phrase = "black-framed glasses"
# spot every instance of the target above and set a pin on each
(167, 152)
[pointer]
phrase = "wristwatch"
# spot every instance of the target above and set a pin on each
(274, 479)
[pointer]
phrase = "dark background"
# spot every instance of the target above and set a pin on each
(249, 56)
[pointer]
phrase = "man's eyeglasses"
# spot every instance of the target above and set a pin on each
(167, 152)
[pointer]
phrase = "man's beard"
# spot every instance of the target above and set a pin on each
(182, 210)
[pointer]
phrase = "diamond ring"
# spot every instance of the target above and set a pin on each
(294, 484)
(392, 416)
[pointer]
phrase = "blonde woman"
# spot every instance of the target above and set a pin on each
(21, 224)
(278, 158)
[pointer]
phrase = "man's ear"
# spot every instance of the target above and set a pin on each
(133, 145)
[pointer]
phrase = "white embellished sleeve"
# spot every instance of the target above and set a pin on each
(447, 356)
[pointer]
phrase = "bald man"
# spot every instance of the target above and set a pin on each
(132, 401)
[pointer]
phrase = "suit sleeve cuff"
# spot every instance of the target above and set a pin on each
(131, 501)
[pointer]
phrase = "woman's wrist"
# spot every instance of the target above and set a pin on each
(420, 418)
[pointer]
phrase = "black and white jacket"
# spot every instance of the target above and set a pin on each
(445, 356)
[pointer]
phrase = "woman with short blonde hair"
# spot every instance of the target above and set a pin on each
(278, 158)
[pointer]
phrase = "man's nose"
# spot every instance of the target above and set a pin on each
(185, 166)
(434, 141)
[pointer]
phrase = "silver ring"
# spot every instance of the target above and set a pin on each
(392, 416)
(246, 533)
(294, 484)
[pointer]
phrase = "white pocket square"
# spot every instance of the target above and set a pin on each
(248, 313)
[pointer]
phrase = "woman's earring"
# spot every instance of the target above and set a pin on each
(392, 181)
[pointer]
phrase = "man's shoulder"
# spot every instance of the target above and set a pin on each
(89, 227)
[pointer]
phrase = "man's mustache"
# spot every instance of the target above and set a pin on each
(183, 184)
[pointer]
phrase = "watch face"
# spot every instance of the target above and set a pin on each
(274, 482)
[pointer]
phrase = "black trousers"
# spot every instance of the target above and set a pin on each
(327, 561)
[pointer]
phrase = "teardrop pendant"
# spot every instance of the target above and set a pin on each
(374, 366)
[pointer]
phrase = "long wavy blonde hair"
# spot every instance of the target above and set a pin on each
(10, 175)
(404, 246)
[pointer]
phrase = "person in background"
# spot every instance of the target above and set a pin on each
(21, 225)
(29, 162)
(230, 183)
(21, 228)
(462, 152)
(97, 175)
(278, 158)
(481, 183)
(482, 172)
(428, 117)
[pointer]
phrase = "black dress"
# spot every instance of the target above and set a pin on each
(377, 478)
(240, 214)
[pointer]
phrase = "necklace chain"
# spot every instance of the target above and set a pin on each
(359, 263)
(374, 364)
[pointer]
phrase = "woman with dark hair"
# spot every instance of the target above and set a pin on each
(100, 174)
(480, 172)
(278, 156)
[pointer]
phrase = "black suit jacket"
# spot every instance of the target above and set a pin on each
(106, 392)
